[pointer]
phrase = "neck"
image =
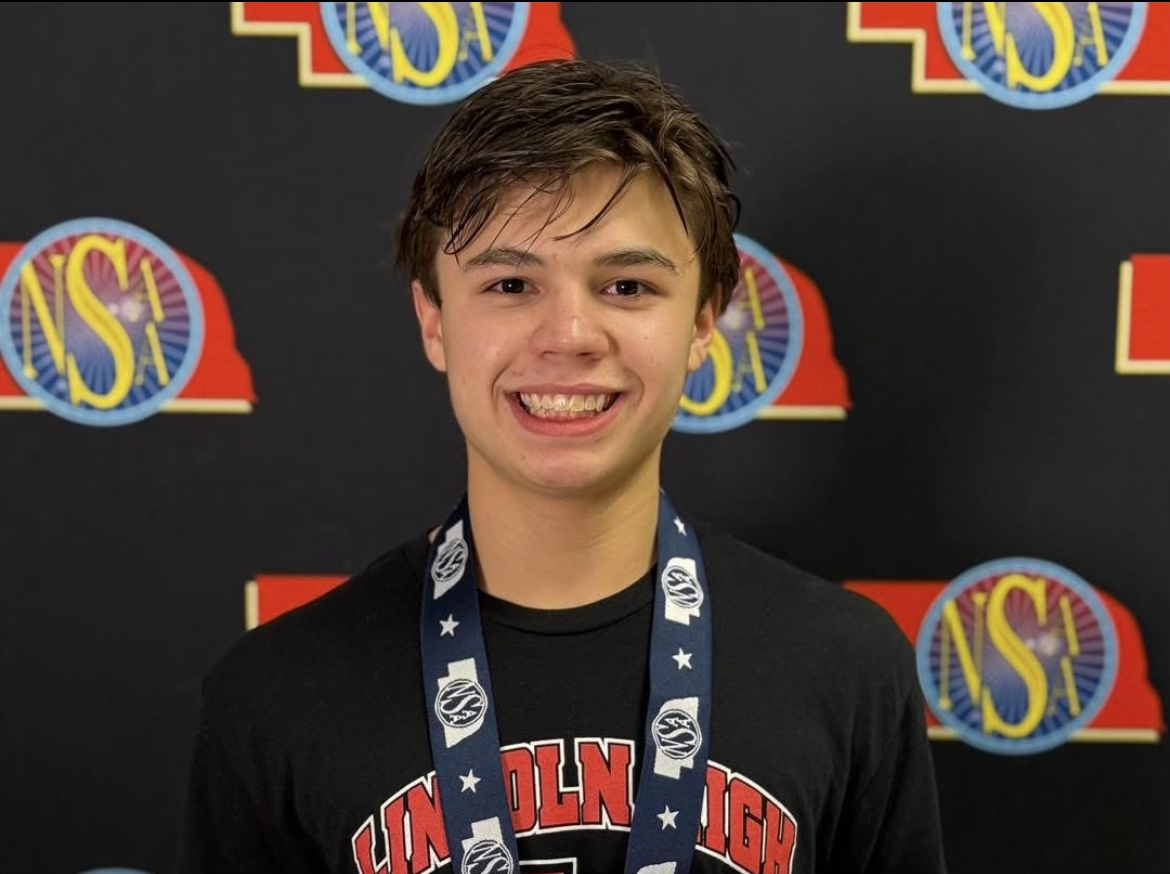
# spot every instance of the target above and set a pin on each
(555, 552)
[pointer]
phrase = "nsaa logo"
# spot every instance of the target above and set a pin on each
(422, 53)
(1016, 655)
(771, 356)
(1027, 55)
(103, 323)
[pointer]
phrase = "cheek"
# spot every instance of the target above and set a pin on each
(474, 358)
(665, 367)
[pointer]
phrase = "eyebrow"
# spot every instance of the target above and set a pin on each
(636, 257)
(507, 256)
(502, 256)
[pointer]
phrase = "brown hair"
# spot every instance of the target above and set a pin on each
(544, 123)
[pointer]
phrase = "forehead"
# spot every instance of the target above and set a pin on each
(568, 217)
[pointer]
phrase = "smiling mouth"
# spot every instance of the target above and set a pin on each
(558, 406)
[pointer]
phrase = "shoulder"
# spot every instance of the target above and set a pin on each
(297, 658)
(812, 624)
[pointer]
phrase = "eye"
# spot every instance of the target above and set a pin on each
(511, 285)
(626, 288)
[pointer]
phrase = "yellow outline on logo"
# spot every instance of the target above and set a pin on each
(306, 76)
(251, 605)
(1085, 735)
(175, 405)
(807, 412)
(1124, 363)
(916, 36)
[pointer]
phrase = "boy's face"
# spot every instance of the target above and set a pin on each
(566, 358)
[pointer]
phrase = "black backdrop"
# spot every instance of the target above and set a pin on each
(968, 255)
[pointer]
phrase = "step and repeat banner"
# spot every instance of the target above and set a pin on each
(944, 380)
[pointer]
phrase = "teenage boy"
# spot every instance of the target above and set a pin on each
(568, 675)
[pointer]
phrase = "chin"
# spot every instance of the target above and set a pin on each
(567, 484)
(569, 479)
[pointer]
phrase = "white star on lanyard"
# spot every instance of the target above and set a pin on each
(469, 781)
(683, 658)
(668, 816)
(682, 529)
(448, 625)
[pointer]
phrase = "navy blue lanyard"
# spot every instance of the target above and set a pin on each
(465, 741)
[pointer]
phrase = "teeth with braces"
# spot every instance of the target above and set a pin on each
(561, 406)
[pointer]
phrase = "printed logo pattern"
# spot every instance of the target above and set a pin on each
(425, 52)
(684, 595)
(677, 736)
(461, 702)
(101, 321)
(1026, 55)
(421, 53)
(451, 561)
(754, 351)
(484, 852)
(1015, 655)
(1040, 55)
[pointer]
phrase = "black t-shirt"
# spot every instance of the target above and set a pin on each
(312, 754)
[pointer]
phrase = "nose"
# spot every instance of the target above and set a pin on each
(572, 323)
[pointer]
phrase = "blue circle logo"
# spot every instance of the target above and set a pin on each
(425, 53)
(1041, 55)
(1016, 655)
(681, 587)
(462, 703)
(754, 351)
(100, 321)
(487, 856)
(676, 734)
(450, 562)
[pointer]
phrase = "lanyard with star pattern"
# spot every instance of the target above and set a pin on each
(465, 742)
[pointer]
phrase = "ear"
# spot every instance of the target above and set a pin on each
(701, 338)
(430, 323)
